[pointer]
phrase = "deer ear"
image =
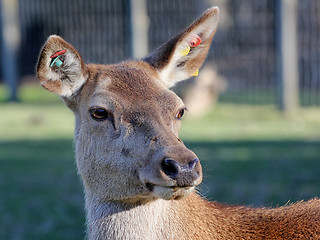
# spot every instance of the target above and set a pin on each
(60, 67)
(182, 56)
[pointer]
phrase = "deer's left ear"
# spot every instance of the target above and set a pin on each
(182, 56)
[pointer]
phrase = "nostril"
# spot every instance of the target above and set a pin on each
(170, 167)
(193, 163)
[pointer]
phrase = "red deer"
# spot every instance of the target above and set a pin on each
(139, 178)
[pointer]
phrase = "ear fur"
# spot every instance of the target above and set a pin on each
(174, 61)
(67, 78)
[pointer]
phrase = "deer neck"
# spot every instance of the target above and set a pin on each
(116, 220)
(158, 219)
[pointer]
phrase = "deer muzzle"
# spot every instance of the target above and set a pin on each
(184, 175)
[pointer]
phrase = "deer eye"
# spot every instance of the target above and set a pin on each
(180, 113)
(99, 114)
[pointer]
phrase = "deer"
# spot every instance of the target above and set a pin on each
(139, 179)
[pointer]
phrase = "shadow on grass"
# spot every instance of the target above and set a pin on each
(41, 196)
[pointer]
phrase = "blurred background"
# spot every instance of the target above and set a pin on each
(253, 120)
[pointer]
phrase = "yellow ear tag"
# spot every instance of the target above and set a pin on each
(185, 51)
(196, 73)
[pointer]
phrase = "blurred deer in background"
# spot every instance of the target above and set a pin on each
(139, 178)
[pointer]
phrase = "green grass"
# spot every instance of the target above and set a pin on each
(30, 93)
(247, 122)
(35, 121)
(41, 197)
(250, 155)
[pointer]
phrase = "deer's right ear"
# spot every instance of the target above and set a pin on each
(182, 56)
(60, 67)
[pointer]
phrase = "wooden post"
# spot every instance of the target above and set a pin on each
(10, 44)
(139, 28)
(287, 71)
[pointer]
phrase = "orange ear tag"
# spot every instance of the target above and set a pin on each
(185, 51)
(196, 73)
(195, 41)
(57, 53)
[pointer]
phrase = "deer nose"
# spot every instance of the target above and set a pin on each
(183, 174)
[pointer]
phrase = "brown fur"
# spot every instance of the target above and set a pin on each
(296, 221)
(138, 176)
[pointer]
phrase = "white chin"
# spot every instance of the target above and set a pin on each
(169, 193)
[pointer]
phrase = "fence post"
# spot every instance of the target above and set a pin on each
(139, 23)
(10, 42)
(287, 66)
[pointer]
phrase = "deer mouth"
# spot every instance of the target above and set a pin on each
(169, 192)
(150, 187)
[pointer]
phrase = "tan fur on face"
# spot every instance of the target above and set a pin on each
(143, 109)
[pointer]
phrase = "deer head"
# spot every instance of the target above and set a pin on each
(127, 119)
